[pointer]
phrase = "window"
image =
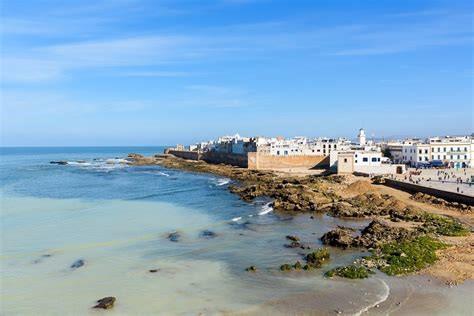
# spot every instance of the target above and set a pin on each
(421, 159)
(432, 157)
(465, 148)
(439, 156)
(378, 159)
(465, 157)
(356, 161)
(439, 149)
(420, 151)
(426, 151)
(365, 159)
(444, 149)
(278, 152)
(345, 159)
(374, 159)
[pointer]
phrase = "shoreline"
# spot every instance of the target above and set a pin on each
(345, 197)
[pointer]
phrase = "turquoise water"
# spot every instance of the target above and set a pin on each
(116, 218)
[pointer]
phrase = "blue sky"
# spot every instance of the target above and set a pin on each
(131, 72)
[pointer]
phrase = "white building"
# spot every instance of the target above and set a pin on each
(365, 162)
(457, 152)
(361, 137)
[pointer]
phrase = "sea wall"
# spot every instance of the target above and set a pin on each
(211, 157)
(226, 158)
(254, 160)
(185, 154)
(260, 161)
(445, 195)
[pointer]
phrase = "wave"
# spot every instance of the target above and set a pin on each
(235, 219)
(101, 165)
(383, 298)
(267, 208)
(222, 181)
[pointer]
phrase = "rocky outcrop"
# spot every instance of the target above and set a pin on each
(106, 302)
(372, 236)
(340, 237)
(207, 234)
(77, 264)
(426, 198)
(60, 162)
(174, 236)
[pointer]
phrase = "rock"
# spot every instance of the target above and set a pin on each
(153, 270)
(339, 237)
(251, 269)
(285, 267)
(377, 233)
(60, 162)
(297, 265)
(207, 234)
(294, 244)
(77, 264)
(174, 236)
(292, 238)
(106, 302)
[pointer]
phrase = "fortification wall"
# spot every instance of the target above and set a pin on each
(445, 195)
(185, 154)
(268, 162)
(226, 158)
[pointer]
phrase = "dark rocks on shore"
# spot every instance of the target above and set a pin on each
(207, 234)
(251, 269)
(372, 236)
(106, 302)
(174, 236)
(422, 197)
(339, 237)
(77, 264)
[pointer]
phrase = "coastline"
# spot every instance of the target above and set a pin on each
(344, 197)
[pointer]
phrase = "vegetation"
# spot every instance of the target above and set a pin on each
(409, 255)
(286, 267)
(317, 258)
(443, 226)
(350, 272)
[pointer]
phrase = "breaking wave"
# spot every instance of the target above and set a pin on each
(267, 208)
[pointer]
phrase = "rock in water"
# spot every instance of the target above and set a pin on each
(106, 302)
(60, 162)
(208, 234)
(292, 238)
(153, 270)
(77, 264)
(251, 269)
(174, 236)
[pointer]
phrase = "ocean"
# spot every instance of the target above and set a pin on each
(115, 220)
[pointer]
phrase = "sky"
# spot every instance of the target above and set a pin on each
(151, 72)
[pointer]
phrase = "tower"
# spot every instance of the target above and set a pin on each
(361, 136)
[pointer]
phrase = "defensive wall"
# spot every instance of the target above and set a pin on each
(255, 160)
(445, 195)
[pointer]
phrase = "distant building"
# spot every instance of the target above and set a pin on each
(365, 162)
(361, 137)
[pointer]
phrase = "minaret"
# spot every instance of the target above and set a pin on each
(361, 136)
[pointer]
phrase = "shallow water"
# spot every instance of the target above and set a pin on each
(117, 219)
